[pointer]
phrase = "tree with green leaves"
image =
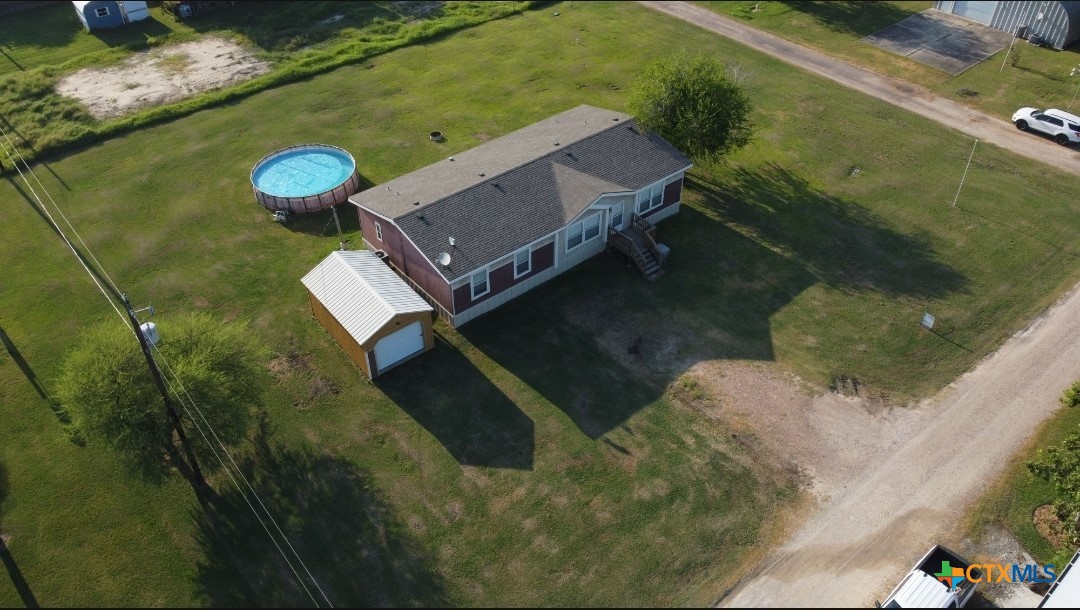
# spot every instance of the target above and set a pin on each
(1060, 465)
(693, 103)
(110, 393)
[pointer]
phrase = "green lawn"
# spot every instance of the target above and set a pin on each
(299, 39)
(1032, 76)
(53, 35)
(543, 455)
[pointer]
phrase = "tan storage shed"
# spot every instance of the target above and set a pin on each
(373, 314)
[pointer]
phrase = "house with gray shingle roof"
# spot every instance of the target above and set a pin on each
(483, 226)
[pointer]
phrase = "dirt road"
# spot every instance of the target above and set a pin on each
(920, 467)
(986, 128)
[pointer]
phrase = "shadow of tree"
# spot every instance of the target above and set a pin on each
(841, 243)
(852, 17)
(475, 421)
(340, 526)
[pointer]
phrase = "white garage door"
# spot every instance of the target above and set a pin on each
(982, 12)
(395, 347)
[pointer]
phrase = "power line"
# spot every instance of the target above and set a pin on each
(55, 225)
(116, 290)
(242, 476)
(101, 268)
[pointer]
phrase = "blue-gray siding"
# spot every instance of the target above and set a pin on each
(1059, 26)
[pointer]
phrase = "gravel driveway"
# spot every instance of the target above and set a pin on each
(987, 128)
(920, 468)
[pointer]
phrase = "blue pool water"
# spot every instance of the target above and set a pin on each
(299, 173)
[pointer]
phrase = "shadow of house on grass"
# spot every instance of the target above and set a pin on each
(349, 539)
(601, 343)
(455, 402)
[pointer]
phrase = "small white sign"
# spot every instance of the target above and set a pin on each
(928, 320)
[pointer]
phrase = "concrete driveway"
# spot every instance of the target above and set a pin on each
(949, 43)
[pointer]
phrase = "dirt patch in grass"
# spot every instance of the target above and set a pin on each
(824, 438)
(1048, 524)
(284, 366)
(161, 75)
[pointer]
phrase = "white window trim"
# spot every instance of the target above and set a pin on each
(622, 216)
(98, 12)
(472, 284)
(378, 231)
(646, 196)
(528, 262)
(580, 231)
(581, 223)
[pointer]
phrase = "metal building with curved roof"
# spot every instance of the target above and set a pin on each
(1053, 23)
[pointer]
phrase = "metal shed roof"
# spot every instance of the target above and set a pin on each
(361, 292)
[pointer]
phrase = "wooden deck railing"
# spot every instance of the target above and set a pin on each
(648, 233)
(621, 242)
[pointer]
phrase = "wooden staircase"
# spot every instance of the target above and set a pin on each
(638, 242)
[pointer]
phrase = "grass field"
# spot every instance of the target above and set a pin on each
(531, 458)
(298, 39)
(1032, 76)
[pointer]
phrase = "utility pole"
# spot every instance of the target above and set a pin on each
(156, 372)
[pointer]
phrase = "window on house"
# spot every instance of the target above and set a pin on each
(479, 283)
(522, 262)
(592, 227)
(102, 12)
(650, 198)
(378, 231)
(581, 232)
(573, 236)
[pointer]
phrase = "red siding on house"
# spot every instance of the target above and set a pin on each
(502, 278)
(672, 195)
(406, 257)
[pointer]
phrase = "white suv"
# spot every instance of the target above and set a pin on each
(1062, 126)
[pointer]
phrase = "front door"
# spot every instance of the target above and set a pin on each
(615, 213)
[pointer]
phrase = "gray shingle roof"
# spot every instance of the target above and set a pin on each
(504, 212)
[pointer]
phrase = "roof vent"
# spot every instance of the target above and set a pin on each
(453, 242)
(443, 259)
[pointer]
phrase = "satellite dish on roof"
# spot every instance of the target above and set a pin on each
(443, 259)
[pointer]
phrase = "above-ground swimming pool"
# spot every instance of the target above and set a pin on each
(306, 178)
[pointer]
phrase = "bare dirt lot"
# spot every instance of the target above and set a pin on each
(161, 75)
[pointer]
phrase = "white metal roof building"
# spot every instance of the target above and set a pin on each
(1065, 592)
(373, 314)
